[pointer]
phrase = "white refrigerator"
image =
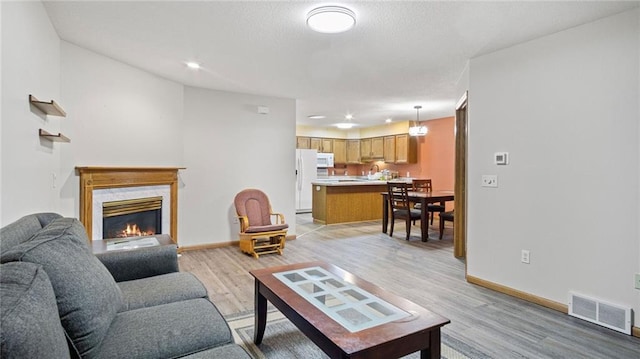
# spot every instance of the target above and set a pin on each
(306, 171)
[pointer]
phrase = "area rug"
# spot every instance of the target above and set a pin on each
(282, 340)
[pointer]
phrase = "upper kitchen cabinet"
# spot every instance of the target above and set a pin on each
(406, 149)
(303, 143)
(323, 145)
(353, 151)
(372, 149)
(339, 151)
(390, 149)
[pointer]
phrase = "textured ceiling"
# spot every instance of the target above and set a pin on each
(400, 54)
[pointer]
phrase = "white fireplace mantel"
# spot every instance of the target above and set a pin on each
(100, 178)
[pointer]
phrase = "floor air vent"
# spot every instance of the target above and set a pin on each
(602, 313)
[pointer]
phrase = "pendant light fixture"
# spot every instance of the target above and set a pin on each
(417, 129)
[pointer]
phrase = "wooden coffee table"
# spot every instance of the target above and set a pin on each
(347, 317)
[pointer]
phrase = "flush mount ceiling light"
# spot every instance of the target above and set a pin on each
(331, 19)
(416, 129)
(193, 65)
(345, 125)
(316, 117)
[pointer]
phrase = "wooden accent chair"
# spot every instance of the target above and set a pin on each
(445, 216)
(424, 185)
(258, 235)
(400, 207)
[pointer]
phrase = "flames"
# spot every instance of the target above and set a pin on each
(133, 230)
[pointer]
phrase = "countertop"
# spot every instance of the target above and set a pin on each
(353, 181)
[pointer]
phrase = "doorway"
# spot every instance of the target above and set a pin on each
(460, 188)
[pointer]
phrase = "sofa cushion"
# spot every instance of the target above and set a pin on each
(166, 331)
(29, 322)
(23, 229)
(160, 289)
(87, 295)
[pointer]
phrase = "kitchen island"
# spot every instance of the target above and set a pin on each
(347, 200)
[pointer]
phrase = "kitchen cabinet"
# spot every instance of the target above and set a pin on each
(372, 148)
(303, 143)
(323, 145)
(339, 151)
(390, 149)
(353, 151)
(406, 149)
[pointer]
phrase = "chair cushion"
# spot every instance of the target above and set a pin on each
(166, 331)
(160, 289)
(253, 204)
(402, 213)
(29, 315)
(87, 295)
(270, 228)
(435, 208)
(448, 216)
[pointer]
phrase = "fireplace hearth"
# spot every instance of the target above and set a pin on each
(133, 217)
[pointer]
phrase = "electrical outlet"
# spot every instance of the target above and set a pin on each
(637, 281)
(524, 256)
(489, 181)
(235, 220)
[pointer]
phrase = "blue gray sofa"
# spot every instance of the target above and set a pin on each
(59, 300)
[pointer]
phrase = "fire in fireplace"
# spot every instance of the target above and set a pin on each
(132, 217)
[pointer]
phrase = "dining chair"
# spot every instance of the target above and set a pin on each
(445, 216)
(400, 207)
(258, 234)
(424, 185)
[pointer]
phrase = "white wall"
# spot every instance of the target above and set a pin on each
(566, 109)
(228, 147)
(30, 65)
(118, 115)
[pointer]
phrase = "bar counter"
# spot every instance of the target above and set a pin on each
(347, 200)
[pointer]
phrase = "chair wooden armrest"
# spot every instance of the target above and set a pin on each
(279, 218)
(244, 222)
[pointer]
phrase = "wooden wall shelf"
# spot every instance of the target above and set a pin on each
(53, 138)
(49, 108)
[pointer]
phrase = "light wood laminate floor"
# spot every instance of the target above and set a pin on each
(425, 273)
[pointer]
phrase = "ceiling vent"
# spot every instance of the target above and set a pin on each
(599, 312)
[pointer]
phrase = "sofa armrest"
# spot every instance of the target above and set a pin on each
(140, 263)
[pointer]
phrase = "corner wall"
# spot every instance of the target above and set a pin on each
(228, 147)
(565, 107)
(30, 65)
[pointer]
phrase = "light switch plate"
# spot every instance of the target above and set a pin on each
(637, 281)
(489, 180)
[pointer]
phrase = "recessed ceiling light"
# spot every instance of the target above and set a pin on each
(331, 19)
(349, 117)
(387, 120)
(316, 117)
(193, 65)
(345, 125)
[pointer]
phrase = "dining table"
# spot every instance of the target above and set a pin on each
(424, 198)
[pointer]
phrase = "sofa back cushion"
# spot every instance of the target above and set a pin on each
(23, 229)
(87, 295)
(29, 322)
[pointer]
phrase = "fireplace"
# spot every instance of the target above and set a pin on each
(133, 217)
(110, 184)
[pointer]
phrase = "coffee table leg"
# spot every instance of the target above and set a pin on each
(433, 352)
(260, 314)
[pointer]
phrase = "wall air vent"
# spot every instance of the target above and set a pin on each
(599, 312)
